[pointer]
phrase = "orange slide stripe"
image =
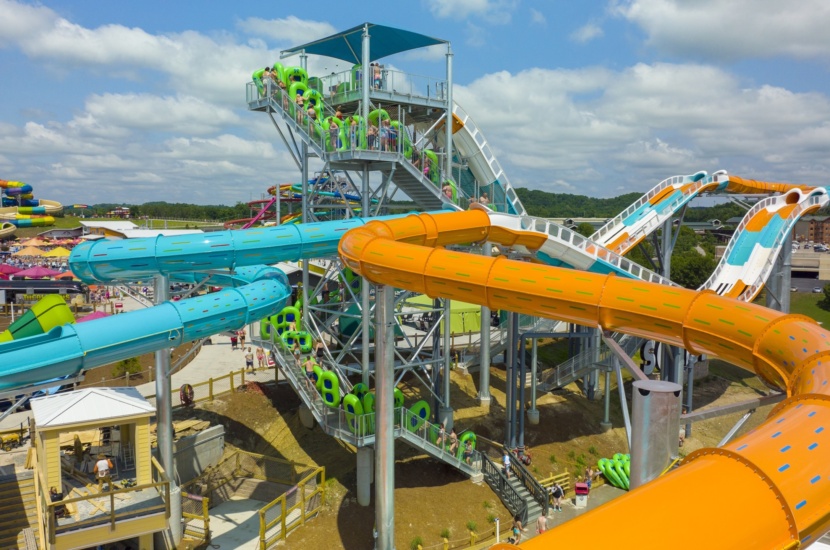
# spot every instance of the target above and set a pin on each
(768, 489)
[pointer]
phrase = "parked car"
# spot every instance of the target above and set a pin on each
(794, 289)
(818, 290)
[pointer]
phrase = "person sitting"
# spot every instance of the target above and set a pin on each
(55, 496)
(102, 472)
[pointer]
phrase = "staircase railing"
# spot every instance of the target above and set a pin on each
(495, 478)
(539, 493)
(422, 437)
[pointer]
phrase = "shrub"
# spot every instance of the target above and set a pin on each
(593, 450)
(491, 518)
(415, 543)
(552, 459)
(471, 526)
(487, 504)
(445, 533)
(126, 367)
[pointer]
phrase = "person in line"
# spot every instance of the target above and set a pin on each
(505, 460)
(319, 352)
(334, 131)
(300, 108)
(308, 365)
(377, 75)
(284, 94)
(371, 135)
(297, 353)
(353, 133)
(102, 472)
(234, 341)
(453, 442)
(556, 492)
(442, 435)
(242, 338)
(249, 360)
(484, 199)
(468, 452)
(447, 190)
(268, 81)
(260, 358)
(384, 135)
(338, 113)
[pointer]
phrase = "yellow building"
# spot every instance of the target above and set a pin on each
(71, 431)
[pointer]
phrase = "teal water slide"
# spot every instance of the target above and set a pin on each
(235, 259)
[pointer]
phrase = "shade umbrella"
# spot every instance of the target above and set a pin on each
(29, 251)
(37, 272)
(59, 252)
(66, 275)
(34, 242)
(92, 316)
(7, 269)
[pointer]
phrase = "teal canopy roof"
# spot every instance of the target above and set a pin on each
(385, 41)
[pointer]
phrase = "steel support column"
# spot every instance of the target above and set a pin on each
(384, 417)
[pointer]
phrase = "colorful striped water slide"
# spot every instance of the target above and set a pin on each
(750, 256)
(649, 212)
(767, 489)
(22, 210)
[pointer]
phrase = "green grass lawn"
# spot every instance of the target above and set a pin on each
(806, 303)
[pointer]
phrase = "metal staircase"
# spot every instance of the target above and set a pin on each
(583, 363)
(358, 430)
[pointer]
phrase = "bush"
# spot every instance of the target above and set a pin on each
(552, 459)
(126, 367)
(487, 504)
(471, 526)
(491, 518)
(445, 533)
(415, 543)
(593, 450)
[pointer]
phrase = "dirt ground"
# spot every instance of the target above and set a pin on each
(430, 496)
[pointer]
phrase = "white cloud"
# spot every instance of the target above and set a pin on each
(537, 17)
(586, 33)
(493, 11)
(290, 30)
(599, 130)
(735, 29)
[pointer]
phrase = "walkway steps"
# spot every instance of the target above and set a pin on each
(18, 508)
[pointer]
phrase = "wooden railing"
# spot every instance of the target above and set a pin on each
(51, 529)
(302, 499)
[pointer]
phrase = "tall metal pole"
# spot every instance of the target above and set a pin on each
(514, 350)
(366, 76)
(384, 414)
(484, 348)
(667, 245)
(509, 360)
(521, 401)
(445, 413)
(533, 413)
(305, 217)
(606, 414)
(449, 113)
(164, 416)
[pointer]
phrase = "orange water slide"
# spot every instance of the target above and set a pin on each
(768, 489)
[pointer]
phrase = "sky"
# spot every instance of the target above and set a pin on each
(132, 102)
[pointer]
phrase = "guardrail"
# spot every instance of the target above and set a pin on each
(530, 483)
(278, 517)
(495, 478)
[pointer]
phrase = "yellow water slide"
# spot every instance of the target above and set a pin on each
(768, 489)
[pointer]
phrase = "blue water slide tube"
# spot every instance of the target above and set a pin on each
(257, 291)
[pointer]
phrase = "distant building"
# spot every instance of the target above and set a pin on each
(56, 233)
(125, 230)
(122, 212)
(812, 229)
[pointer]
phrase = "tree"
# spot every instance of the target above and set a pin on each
(824, 303)
(585, 229)
(126, 367)
(691, 269)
